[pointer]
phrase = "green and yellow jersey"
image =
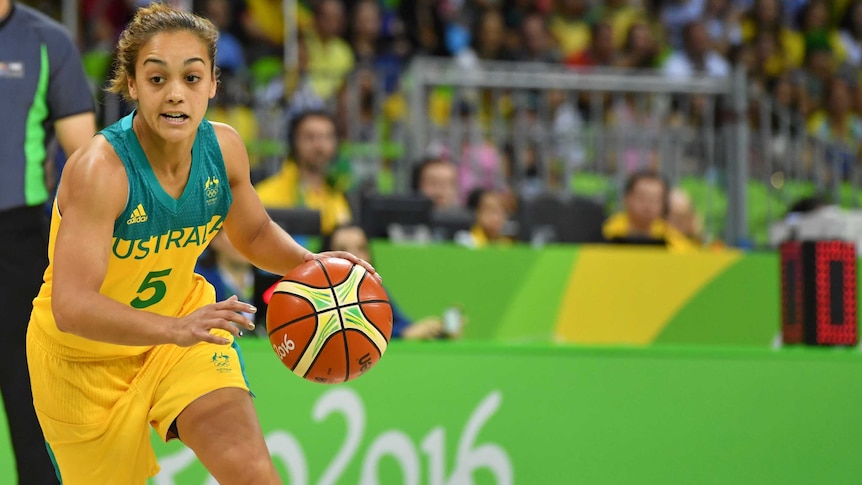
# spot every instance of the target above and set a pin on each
(156, 240)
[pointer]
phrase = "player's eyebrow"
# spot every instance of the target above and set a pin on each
(160, 62)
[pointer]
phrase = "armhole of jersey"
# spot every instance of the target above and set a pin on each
(221, 152)
(128, 184)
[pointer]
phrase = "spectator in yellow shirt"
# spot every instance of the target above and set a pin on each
(302, 180)
(330, 58)
(492, 214)
(643, 220)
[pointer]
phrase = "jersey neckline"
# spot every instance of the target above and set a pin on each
(164, 198)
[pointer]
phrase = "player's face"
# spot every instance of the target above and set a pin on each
(173, 84)
(352, 240)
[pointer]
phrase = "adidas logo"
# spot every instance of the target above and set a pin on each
(138, 215)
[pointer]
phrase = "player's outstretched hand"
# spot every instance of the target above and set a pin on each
(345, 255)
(195, 327)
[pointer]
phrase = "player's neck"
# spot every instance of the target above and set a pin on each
(165, 157)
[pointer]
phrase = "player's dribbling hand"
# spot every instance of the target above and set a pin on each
(345, 255)
(196, 326)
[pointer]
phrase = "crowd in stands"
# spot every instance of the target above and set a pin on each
(805, 55)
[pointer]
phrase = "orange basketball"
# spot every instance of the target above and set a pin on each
(329, 321)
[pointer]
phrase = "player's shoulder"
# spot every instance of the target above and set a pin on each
(226, 134)
(232, 147)
(97, 161)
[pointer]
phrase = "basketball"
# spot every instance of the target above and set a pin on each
(329, 320)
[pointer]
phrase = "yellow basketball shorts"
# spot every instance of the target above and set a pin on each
(96, 412)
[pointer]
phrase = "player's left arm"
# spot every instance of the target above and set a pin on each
(249, 227)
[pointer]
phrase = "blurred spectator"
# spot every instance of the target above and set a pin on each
(330, 58)
(676, 14)
(601, 51)
(814, 78)
(640, 50)
(537, 43)
(765, 16)
(424, 26)
(263, 22)
(814, 23)
(783, 131)
(569, 146)
(302, 180)
(492, 215)
(489, 41)
(352, 238)
(365, 32)
(683, 217)
(569, 26)
(838, 124)
(857, 97)
(516, 12)
(102, 21)
(230, 56)
(768, 60)
(637, 127)
(300, 94)
(357, 115)
(696, 57)
(643, 219)
(722, 24)
(621, 14)
(437, 179)
(851, 34)
(527, 177)
(371, 48)
(480, 164)
(232, 105)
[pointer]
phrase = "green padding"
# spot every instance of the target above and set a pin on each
(593, 185)
(426, 280)
(385, 149)
(556, 415)
(739, 307)
(764, 206)
(266, 69)
(850, 196)
(532, 313)
(792, 191)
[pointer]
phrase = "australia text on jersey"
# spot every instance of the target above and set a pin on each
(173, 238)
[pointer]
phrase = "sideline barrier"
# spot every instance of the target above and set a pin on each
(445, 412)
(591, 294)
(433, 413)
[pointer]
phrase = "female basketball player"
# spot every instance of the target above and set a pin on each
(123, 333)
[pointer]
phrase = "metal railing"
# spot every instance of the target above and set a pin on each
(585, 131)
(743, 157)
(788, 163)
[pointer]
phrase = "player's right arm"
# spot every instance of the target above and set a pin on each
(91, 195)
